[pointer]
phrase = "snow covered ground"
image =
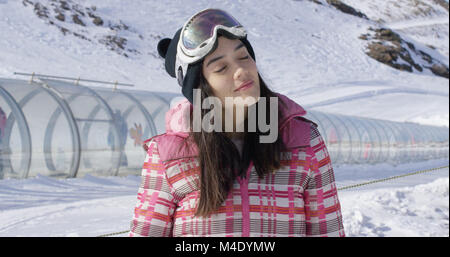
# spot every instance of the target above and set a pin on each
(307, 51)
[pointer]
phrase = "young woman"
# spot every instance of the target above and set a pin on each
(198, 182)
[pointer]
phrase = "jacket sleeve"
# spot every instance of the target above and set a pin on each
(322, 208)
(155, 202)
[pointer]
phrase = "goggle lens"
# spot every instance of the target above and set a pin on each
(201, 27)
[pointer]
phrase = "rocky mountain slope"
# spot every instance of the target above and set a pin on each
(396, 22)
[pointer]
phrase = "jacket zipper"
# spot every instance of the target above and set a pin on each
(243, 184)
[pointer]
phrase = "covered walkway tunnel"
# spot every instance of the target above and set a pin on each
(57, 128)
(62, 129)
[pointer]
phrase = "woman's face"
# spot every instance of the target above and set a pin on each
(231, 71)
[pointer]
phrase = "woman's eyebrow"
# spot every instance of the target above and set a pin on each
(220, 57)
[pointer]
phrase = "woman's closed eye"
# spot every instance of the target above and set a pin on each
(221, 69)
(224, 67)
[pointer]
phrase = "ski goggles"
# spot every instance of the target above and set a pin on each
(199, 36)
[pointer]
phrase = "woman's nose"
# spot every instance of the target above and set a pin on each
(239, 72)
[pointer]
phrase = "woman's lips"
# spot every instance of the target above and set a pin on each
(245, 86)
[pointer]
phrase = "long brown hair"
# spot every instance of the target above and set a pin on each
(220, 161)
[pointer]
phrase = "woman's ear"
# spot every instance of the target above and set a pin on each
(163, 45)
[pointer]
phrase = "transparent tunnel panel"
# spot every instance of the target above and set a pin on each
(14, 138)
(379, 141)
(134, 124)
(38, 116)
(63, 129)
(354, 136)
(98, 136)
(392, 135)
(157, 105)
(345, 137)
(366, 139)
(25, 125)
(329, 133)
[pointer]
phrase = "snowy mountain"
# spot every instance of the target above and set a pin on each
(309, 50)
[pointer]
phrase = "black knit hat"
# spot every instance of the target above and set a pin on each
(167, 49)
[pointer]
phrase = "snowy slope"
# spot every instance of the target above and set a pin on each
(425, 21)
(399, 10)
(304, 50)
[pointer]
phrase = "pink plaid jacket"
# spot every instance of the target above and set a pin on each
(299, 199)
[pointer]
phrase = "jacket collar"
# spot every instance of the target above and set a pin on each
(177, 122)
(293, 128)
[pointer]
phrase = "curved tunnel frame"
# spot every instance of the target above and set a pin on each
(393, 139)
(48, 138)
(24, 130)
(64, 107)
(75, 134)
(389, 141)
(76, 139)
